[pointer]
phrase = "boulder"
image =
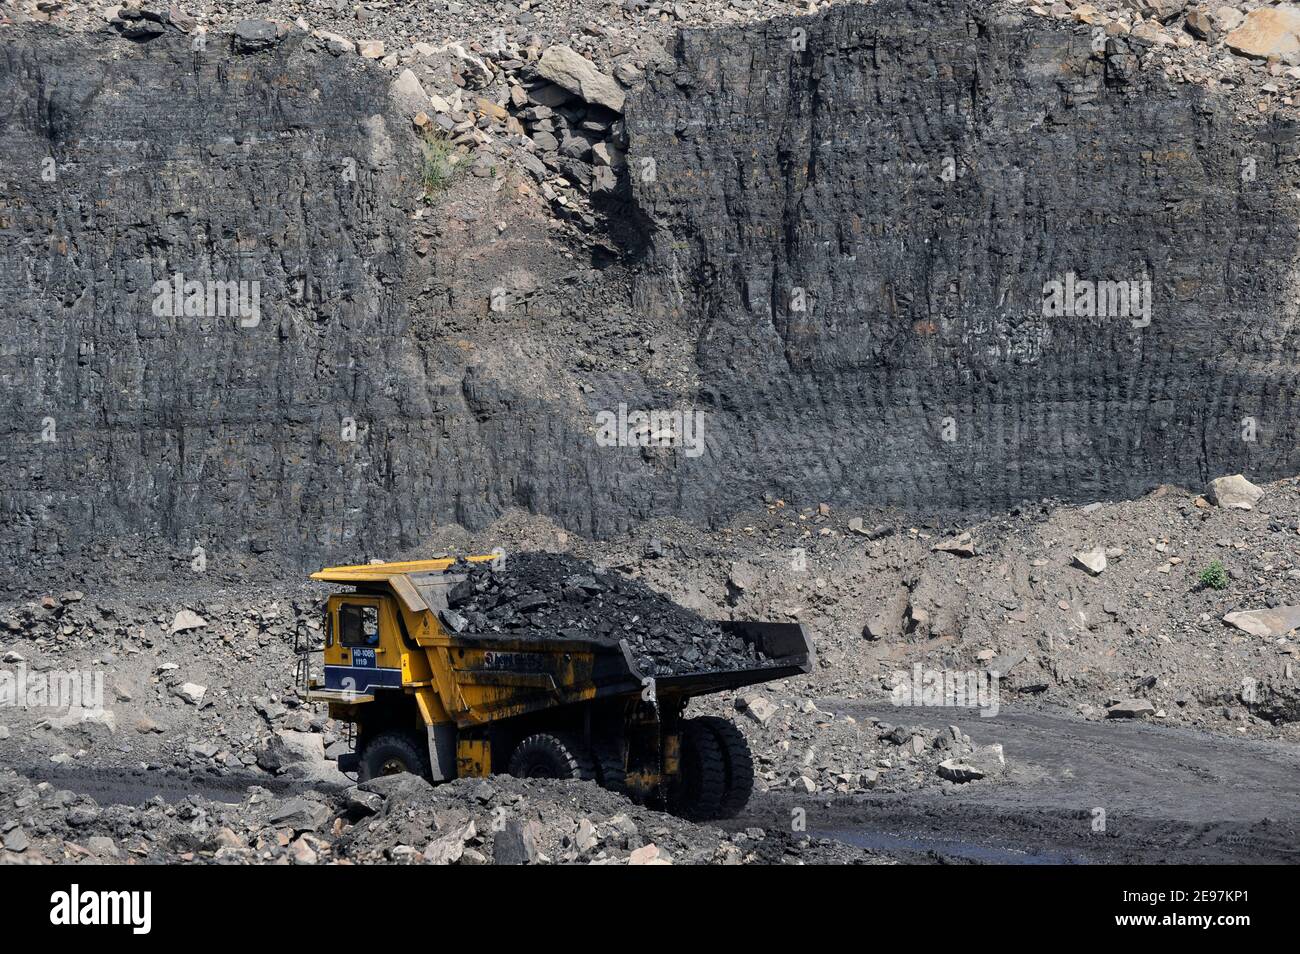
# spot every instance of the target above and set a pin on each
(571, 71)
(1268, 32)
(396, 788)
(1148, 32)
(476, 73)
(1235, 492)
(359, 804)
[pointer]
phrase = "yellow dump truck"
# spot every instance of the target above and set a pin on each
(428, 700)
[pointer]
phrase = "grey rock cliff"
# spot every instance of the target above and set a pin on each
(860, 213)
(847, 231)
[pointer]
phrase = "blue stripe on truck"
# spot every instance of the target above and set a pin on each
(360, 678)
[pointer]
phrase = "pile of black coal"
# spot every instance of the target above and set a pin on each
(557, 596)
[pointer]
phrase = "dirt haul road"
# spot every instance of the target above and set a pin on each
(1085, 792)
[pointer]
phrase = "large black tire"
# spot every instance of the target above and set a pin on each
(391, 752)
(699, 793)
(737, 763)
(609, 763)
(552, 755)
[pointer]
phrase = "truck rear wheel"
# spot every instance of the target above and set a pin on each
(703, 785)
(737, 763)
(390, 753)
(609, 763)
(547, 755)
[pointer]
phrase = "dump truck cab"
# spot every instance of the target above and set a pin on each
(444, 704)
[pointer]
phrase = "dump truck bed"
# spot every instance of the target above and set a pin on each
(602, 669)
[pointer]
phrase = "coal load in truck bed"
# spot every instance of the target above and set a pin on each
(555, 596)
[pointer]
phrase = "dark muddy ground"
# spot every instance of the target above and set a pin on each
(1169, 795)
(1084, 792)
(133, 786)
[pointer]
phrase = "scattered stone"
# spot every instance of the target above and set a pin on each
(302, 853)
(1162, 10)
(252, 36)
(103, 847)
(962, 545)
(1130, 709)
(1094, 561)
(408, 93)
(192, 693)
(185, 620)
(958, 772)
(1200, 25)
(757, 707)
(1267, 623)
(300, 815)
(647, 855)
(1228, 18)
(514, 844)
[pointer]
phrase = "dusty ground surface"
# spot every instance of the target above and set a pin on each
(203, 712)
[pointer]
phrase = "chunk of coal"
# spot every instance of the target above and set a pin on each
(453, 620)
(556, 596)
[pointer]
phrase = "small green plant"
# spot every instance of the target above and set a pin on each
(1214, 576)
(439, 168)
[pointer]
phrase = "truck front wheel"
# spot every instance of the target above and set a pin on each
(391, 752)
(547, 755)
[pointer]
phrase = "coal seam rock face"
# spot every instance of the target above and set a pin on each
(918, 172)
(864, 224)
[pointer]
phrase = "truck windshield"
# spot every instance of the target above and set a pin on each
(358, 625)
